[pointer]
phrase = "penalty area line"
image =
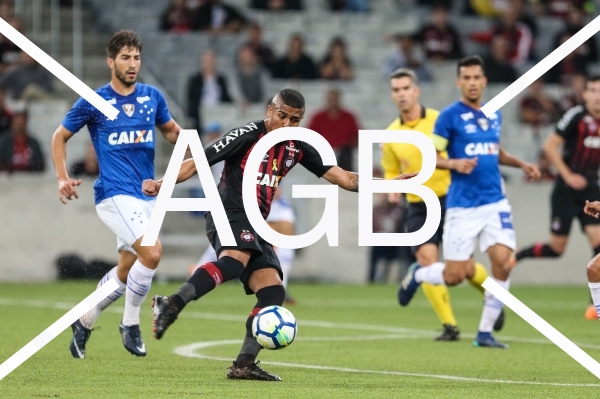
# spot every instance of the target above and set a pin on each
(58, 327)
(542, 326)
(192, 350)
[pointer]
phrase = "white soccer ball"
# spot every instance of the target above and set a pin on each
(274, 327)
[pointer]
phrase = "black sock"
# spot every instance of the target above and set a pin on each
(539, 250)
(206, 278)
(273, 295)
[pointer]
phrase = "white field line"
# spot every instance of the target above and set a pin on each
(542, 326)
(427, 334)
(192, 352)
(58, 327)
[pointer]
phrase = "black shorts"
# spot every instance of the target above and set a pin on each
(263, 255)
(568, 203)
(417, 213)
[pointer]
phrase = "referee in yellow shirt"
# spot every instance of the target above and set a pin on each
(399, 158)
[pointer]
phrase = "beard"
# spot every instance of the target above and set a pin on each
(122, 76)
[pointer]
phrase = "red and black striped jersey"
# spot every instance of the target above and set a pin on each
(581, 132)
(235, 147)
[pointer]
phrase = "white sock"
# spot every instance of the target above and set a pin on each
(138, 285)
(432, 274)
(491, 308)
(595, 291)
(286, 259)
(90, 317)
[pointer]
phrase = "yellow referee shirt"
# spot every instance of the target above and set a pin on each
(399, 158)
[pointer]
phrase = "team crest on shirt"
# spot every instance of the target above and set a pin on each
(247, 236)
(289, 162)
(484, 123)
(128, 109)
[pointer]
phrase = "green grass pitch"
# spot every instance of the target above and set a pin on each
(353, 342)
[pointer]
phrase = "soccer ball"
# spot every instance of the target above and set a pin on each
(274, 327)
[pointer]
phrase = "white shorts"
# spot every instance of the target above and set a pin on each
(127, 217)
(281, 212)
(491, 223)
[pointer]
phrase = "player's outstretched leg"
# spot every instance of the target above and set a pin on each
(82, 328)
(204, 280)
(245, 367)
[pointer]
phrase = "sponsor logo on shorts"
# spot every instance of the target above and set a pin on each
(506, 220)
(247, 236)
(556, 224)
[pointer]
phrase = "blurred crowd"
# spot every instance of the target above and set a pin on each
(508, 48)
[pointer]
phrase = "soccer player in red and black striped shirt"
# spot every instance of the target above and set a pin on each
(578, 133)
(252, 260)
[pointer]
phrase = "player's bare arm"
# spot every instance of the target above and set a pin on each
(170, 131)
(531, 170)
(188, 169)
(462, 165)
(592, 209)
(66, 185)
(349, 180)
(552, 147)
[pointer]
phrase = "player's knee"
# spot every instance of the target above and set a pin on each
(454, 277)
(426, 259)
(557, 249)
(593, 270)
(263, 278)
(151, 256)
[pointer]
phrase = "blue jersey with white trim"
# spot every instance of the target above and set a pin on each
(124, 146)
(470, 134)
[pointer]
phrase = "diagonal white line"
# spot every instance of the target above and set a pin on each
(58, 70)
(542, 326)
(59, 326)
(541, 67)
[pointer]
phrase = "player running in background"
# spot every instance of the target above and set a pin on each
(125, 148)
(577, 181)
(401, 157)
(253, 260)
(476, 204)
(592, 209)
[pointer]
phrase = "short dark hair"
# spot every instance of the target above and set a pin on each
(292, 98)
(471, 60)
(594, 77)
(123, 38)
(405, 73)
